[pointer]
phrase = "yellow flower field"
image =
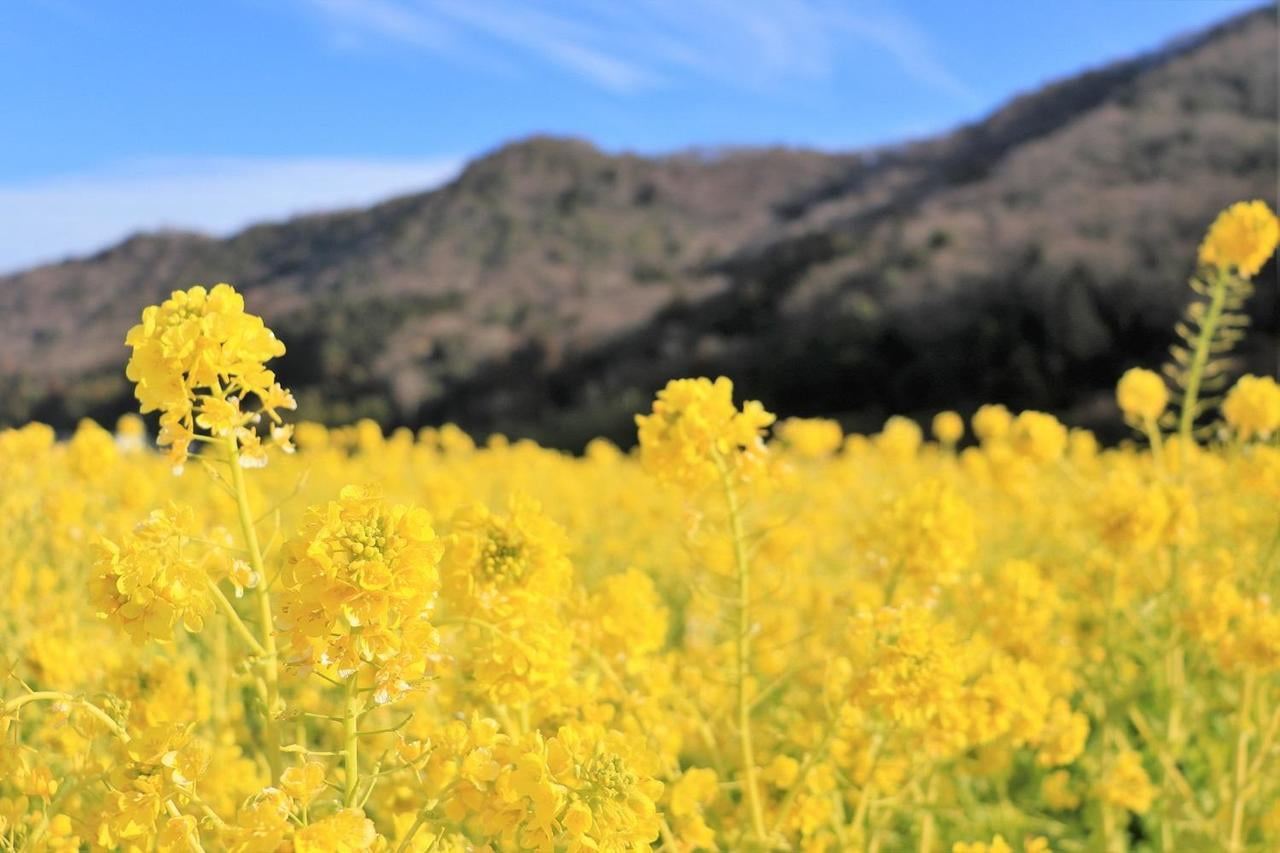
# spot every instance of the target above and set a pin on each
(748, 634)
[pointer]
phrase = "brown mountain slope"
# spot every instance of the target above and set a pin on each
(548, 290)
(544, 240)
(1029, 258)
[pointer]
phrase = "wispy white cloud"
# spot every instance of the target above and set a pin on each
(568, 41)
(642, 44)
(907, 44)
(75, 214)
(391, 19)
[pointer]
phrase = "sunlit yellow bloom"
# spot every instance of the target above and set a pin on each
(1057, 793)
(1242, 238)
(948, 428)
(900, 438)
(346, 831)
(1038, 435)
(928, 534)
(695, 432)
(505, 579)
(997, 845)
(1126, 783)
(1252, 407)
(180, 835)
(991, 422)
(1141, 394)
(359, 585)
(304, 782)
(812, 438)
(196, 358)
(151, 582)
(1064, 736)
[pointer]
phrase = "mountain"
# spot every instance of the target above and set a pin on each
(1028, 257)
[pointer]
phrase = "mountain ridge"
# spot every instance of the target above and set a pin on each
(550, 286)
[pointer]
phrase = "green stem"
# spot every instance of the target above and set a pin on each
(491, 628)
(234, 620)
(1200, 355)
(173, 811)
(784, 810)
(1152, 430)
(668, 837)
(1109, 840)
(351, 740)
(222, 667)
(413, 830)
(267, 659)
(54, 696)
(1241, 786)
(743, 657)
(928, 823)
(33, 840)
(864, 798)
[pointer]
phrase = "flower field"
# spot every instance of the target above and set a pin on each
(983, 634)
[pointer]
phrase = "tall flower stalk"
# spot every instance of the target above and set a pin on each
(197, 359)
(268, 660)
(742, 655)
(696, 438)
(1234, 250)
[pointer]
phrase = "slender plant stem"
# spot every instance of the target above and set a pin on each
(668, 837)
(1200, 355)
(1109, 840)
(490, 627)
(1152, 431)
(222, 667)
(1240, 794)
(234, 620)
(743, 657)
(37, 834)
(928, 822)
(413, 830)
(351, 741)
(1264, 747)
(784, 810)
(267, 659)
(173, 811)
(55, 696)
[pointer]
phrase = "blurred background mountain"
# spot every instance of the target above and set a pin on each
(551, 287)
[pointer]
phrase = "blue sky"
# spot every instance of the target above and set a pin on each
(120, 115)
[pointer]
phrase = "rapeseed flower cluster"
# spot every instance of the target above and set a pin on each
(147, 584)
(506, 579)
(695, 433)
(1252, 407)
(196, 358)
(358, 588)
(740, 636)
(1242, 238)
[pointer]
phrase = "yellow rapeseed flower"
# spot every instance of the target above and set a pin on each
(1242, 238)
(1126, 783)
(196, 358)
(359, 586)
(948, 428)
(695, 432)
(1142, 394)
(811, 438)
(1039, 435)
(991, 422)
(345, 831)
(1252, 407)
(150, 583)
